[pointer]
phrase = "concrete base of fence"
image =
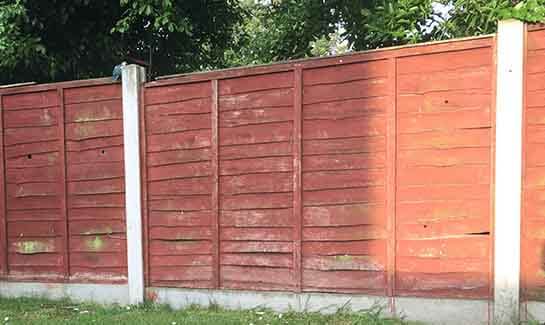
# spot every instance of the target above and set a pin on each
(97, 293)
(535, 311)
(431, 311)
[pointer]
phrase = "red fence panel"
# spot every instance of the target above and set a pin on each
(179, 181)
(444, 173)
(533, 217)
(63, 156)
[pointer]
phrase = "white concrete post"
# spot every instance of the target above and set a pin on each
(132, 78)
(509, 106)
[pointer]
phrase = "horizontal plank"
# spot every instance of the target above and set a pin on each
(31, 117)
(32, 215)
(191, 106)
(255, 83)
(177, 157)
(262, 260)
(180, 218)
(177, 123)
(97, 213)
(161, 247)
(445, 228)
(536, 40)
(30, 135)
(466, 119)
(192, 169)
(349, 90)
(97, 155)
(94, 143)
(443, 193)
(345, 263)
(444, 101)
(344, 109)
(32, 190)
(452, 285)
(344, 196)
(33, 203)
(255, 218)
(97, 260)
(258, 246)
(187, 186)
(344, 145)
(91, 130)
(263, 115)
(30, 100)
(95, 171)
(101, 186)
(356, 248)
(345, 72)
(35, 229)
(256, 183)
(36, 246)
(261, 234)
(441, 266)
(182, 203)
(256, 165)
(344, 233)
(35, 263)
(281, 97)
(534, 61)
(110, 200)
(181, 260)
(440, 62)
(443, 157)
(422, 212)
(535, 98)
(22, 150)
(344, 215)
(92, 93)
(97, 227)
(343, 161)
(256, 201)
(177, 93)
(180, 233)
(470, 138)
(182, 140)
(351, 280)
(261, 150)
(366, 126)
(454, 248)
(34, 160)
(94, 111)
(443, 175)
(252, 134)
(467, 78)
(98, 243)
(343, 179)
(33, 174)
(256, 274)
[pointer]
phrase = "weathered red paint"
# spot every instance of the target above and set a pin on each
(533, 229)
(63, 181)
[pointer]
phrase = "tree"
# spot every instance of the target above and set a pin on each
(70, 39)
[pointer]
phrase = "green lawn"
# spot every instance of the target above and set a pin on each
(39, 311)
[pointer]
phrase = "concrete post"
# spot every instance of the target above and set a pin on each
(508, 178)
(132, 78)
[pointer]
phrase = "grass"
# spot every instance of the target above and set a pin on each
(40, 311)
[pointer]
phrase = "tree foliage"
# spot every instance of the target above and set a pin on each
(70, 39)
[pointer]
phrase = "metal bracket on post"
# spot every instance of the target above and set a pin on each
(508, 174)
(132, 78)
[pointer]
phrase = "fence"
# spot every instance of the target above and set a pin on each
(367, 175)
